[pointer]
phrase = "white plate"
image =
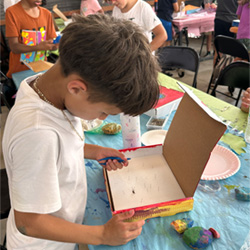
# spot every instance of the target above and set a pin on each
(91, 125)
(222, 164)
(153, 137)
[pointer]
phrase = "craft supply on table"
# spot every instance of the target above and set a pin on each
(131, 134)
(222, 164)
(153, 137)
(156, 123)
(182, 9)
(209, 186)
(111, 128)
(57, 39)
(242, 194)
(91, 125)
(111, 158)
(194, 237)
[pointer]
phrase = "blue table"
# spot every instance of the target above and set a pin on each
(20, 76)
(219, 210)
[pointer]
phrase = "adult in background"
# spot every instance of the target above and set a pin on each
(243, 13)
(225, 14)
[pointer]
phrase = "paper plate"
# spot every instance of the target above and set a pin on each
(91, 125)
(153, 137)
(222, 164)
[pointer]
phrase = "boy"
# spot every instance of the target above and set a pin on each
(164, 12)
(103, 68)
(142, 14)
(26, 15)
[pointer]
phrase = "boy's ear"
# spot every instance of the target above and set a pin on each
(75, 86)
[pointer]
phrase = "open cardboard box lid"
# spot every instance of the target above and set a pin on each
(192, 135)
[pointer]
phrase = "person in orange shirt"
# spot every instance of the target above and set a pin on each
(27, 15)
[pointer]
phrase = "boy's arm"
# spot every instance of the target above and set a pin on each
(160, 37)
(18, 48)
(45, 226)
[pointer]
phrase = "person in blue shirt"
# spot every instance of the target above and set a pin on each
(164, 11)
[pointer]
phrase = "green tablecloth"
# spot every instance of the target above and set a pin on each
(231, 115)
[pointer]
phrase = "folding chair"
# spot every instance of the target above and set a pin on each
(234, 75)
(5, 51)
(6, 93)
(228, 46)
(5, 200)
(180, 58)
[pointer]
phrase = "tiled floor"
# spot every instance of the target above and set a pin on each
(203, 78)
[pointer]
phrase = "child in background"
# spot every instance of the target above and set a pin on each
(209, 35)
(164, 12)
(143, 15)
(243, 13)
(245, 101)
(90, 7)
(26, 15)
(43, 141)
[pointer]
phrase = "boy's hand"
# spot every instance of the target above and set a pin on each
(118, 232)
(47, 45)
(111, 164)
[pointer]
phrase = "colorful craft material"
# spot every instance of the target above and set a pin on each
(242, 194)
(181, 225)
(57, 39)
(111, 128)
(194, 237)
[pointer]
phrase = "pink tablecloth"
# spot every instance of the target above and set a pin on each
(197, 23)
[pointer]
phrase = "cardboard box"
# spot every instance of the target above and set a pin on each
(168, 102)
(161, 180)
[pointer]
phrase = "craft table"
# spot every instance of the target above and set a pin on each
(20, 76)
(220, 210)
(197, 24)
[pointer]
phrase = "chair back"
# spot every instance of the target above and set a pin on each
(5, 198)
(230, 46)
(3, 98)
(235, 75)
(181, 58)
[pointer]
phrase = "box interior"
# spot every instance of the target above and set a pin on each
(147, 180)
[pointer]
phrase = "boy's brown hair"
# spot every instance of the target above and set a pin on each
(114, 59)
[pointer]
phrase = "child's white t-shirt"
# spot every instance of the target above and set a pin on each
(142, 14)
(44, 159)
